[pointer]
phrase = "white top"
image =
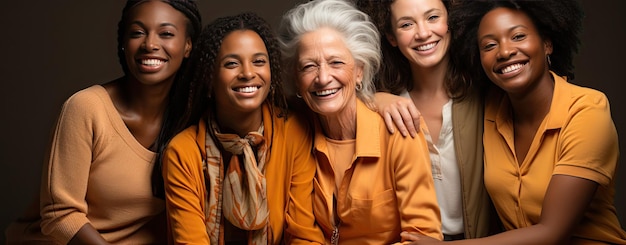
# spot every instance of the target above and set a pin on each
(446, 173)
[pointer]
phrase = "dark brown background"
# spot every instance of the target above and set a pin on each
(54, 48)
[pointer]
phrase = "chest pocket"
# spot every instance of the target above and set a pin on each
(378, 214)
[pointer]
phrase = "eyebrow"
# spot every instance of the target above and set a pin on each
(236, 56)
(508, 30)
(136, 22)
(430, 11)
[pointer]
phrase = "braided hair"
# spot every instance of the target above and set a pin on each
(170, 124)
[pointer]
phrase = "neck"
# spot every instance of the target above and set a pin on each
(147, 100)
(239, 123)
(533, 106)
(430, 80)
(341, 125)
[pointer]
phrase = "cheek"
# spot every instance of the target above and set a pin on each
(403, 39)
(485, 62)
(266, 74)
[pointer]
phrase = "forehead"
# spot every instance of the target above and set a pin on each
(242, 41)
(400, 8)
(503, 18)
(149, 12)
(322, 41)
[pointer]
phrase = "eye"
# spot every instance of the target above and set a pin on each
(519, 36)
(259, 62)
(433, 18)
(166, 34)
(488, 46)
(136, 33)
(405, 25)
(308, 67)
(229, 64)
(336, 63)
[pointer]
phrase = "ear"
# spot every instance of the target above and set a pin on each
(547, 46)
(359, 73)
(392, 40)
(188, 46)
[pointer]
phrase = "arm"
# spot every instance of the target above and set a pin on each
(184, 192)
(87, 235)
(562, 210)
(415, 189)
(300, 221)
(398, 112)
(66, 173)
(586, 159)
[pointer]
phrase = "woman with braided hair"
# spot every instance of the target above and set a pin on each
(97, 185)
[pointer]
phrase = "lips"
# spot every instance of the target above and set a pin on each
(247, 89)
(152, 62)
(325, 92)
(426, 47)
(511, 68)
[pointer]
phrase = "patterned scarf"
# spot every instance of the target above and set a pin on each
(240, 194)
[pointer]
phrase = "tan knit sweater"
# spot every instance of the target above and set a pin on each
(98, 173)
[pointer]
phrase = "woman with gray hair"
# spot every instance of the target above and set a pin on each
(370, 185)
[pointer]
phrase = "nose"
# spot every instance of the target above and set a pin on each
(246, 72)
(323, 74)
(506, 51)
(422, 31)
(151, 43)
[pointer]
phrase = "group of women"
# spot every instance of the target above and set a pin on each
(230, 134)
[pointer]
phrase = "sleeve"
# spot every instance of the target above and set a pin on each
(588, 142)
(66, 172)
(184, 192)
(415, 189)
(300, 221)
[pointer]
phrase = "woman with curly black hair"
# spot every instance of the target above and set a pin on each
(551, 147)
(233, 176)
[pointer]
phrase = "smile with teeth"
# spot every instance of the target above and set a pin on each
(426, 47)
(511, 68)
(326, 92)
(249, 89)
(152, 62)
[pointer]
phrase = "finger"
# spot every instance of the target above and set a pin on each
(407, 120)
(415, 115)
(399, 122)
(407, 236)
(389, 122)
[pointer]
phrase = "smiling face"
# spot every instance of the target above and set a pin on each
(243, 76)
(327, 72)
(420, 31)
(512, 52)
(156, 42)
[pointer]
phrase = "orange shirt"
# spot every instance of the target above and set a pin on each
(386, 189)
(576, 138)
(289, 174)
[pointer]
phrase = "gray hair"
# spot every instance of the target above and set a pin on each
(360, 35)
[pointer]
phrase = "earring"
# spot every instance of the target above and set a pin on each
(359, 86)
(299, 96)
(549, 61)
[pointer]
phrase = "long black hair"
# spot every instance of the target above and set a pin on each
(168, 126)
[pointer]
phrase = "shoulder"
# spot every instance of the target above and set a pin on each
(89, 104)
(587, 96)
(92, 99)
(185, 140)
